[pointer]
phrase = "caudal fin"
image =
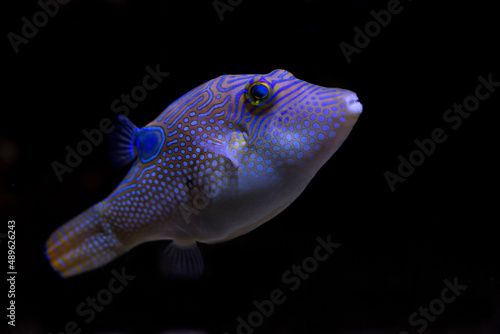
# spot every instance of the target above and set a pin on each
(84, 243)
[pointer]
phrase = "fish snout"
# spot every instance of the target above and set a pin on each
(352, 103)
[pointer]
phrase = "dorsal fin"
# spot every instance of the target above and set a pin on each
(127, 142)
(121, 142)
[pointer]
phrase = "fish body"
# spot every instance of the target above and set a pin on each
(218, 162)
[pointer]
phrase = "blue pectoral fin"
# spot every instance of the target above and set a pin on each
(182, 261)
(122, 142)
(226, 149)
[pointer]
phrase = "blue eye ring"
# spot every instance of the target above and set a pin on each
(259, 93)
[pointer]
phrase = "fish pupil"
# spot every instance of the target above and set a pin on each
(260, 92)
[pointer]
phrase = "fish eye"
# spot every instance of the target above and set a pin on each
(259, 93)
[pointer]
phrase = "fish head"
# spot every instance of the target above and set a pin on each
(275, 131)
(292, 126)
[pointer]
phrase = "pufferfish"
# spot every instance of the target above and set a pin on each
(217, 163)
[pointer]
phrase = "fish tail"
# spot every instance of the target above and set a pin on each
(84, 243)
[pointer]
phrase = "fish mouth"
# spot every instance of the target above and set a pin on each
(352, 103)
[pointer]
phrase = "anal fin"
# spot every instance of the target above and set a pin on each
(182, 261)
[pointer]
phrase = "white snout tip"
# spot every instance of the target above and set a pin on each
(352, 104)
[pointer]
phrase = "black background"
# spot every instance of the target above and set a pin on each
(397, 247)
